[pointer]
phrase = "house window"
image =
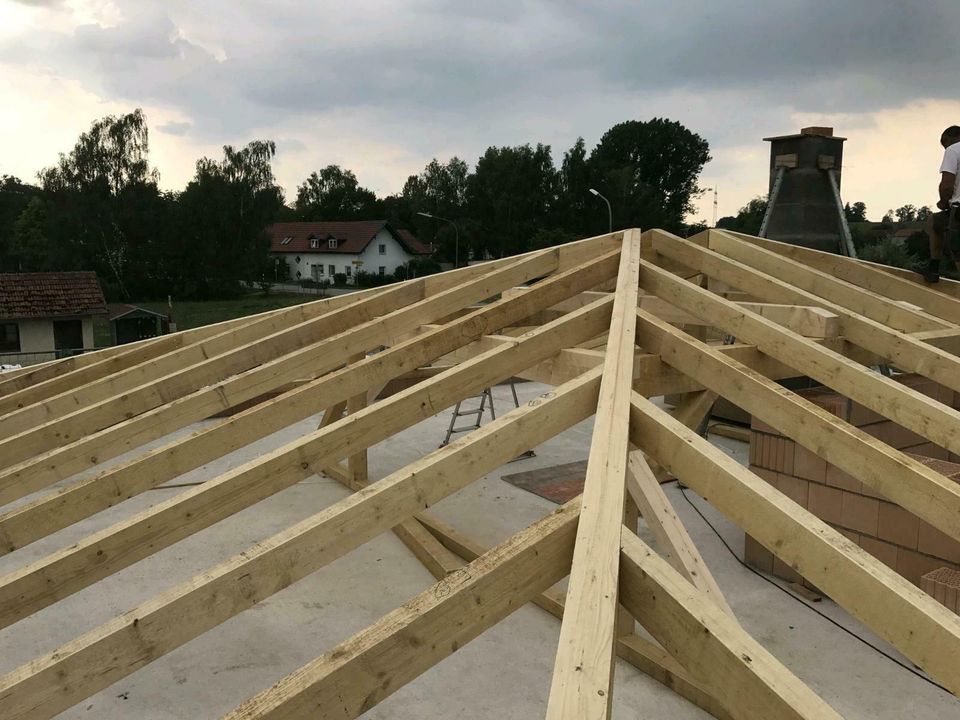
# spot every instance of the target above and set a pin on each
(314, 243)
(286, 240)
(347, 270)
(332, 243)
(319, 269)
(382, 271)
(9, 337)
(383, 249)
(332, 270)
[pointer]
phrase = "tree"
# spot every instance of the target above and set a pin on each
(101, 201)
(906, 213)
(510, 197)
(924, 213)
(222, 215)
(441, 190)
(576, 209)
(856, 212)
(649, 172)
(334, 194)
(749, 218)
(15, 196)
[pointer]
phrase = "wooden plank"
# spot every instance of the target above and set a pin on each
(639, 652)
(98, 658)
(898, 348)
(867, 276)
(672, 537)
(355, 676)
(100, 411)
(62, 573)
(583, 670)
(739, 672)
(82, 498)
(925, 416)
(914, 623)
(898, 477)
(827, 287)
(58, 464)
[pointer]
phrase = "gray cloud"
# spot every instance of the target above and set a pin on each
(175, 128)
(441, 73)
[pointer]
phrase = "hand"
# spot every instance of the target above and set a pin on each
(943, 205)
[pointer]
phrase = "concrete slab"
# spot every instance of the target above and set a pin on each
(503, 674)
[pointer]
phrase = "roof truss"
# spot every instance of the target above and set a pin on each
(610, 322)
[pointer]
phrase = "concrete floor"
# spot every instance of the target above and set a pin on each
(505, 673)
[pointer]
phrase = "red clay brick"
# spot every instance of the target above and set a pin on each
(938, 544)
(797, 489)
(882, 551)
(860, 513)
(839, 479)
(809, 466)
(825, 503)
(898, 526)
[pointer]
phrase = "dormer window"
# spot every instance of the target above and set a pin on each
(286, 240)
(332, 243)
(314, 243)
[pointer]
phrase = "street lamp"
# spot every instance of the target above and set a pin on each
(714, 190)
(456, 230)
(609, 211)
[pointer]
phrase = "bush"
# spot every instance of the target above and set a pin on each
(339, 279)
(890, 251)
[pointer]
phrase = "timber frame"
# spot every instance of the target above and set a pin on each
(609, 322)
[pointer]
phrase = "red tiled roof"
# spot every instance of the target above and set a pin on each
(50, 294)
(352, 237)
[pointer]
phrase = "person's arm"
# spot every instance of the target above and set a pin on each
(947, 182)
(948, 176)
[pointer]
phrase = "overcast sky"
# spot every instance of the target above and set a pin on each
(381, 87)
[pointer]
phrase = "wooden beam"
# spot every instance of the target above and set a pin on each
(58, 464)
(672, 537)
(100, 657)
(403, 307)
(84, 497)
(867, 276)
(739, 672)
(909, 619)
(583, 671)
(906, 406)
(898, 348)
(62, 573)
(641, 653)
(898, 477)
(363, 670)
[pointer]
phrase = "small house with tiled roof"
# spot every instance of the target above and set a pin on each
(47, 315)
(320, 250)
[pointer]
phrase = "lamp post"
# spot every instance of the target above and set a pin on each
(714, 190)
(456, 231)
(609, 211)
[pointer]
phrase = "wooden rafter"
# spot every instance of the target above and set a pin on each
(605, 321)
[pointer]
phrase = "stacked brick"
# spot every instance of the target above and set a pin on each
(894, 536)
(943, 585)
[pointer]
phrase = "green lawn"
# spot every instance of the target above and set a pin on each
(194, 314)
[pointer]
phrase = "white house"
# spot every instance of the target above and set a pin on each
(320, 250)
(47, 315)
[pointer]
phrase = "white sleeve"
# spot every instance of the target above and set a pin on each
(951, 160)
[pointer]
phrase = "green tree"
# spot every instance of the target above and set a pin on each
(906, 213)
(15, 196)
(649, 172)
(222, 215)
(511, 195)
(440, 190)
(101, 203)
(924, 213)
(748, 219)
(856, 212)
(576, 209)
(335, 194)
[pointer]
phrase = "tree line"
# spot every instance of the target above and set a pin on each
(100, 206)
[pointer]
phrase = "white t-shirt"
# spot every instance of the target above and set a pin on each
(951, 164)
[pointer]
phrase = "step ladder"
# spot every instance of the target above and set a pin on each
(486, 401)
